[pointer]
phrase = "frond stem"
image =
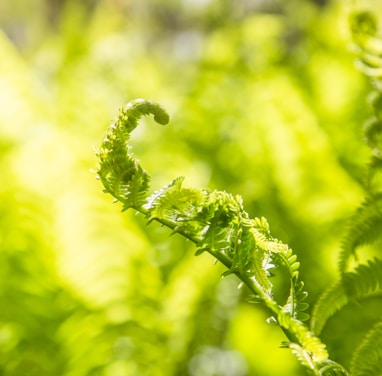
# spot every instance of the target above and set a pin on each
(252, 284)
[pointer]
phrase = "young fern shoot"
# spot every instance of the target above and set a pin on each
(216, 222)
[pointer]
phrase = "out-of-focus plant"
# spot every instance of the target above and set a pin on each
(361, 269)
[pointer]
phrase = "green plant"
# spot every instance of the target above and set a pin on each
(364, 279)
(216, 222)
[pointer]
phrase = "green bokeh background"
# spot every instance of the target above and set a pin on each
(265, 102)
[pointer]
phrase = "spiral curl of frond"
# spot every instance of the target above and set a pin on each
(120, 173)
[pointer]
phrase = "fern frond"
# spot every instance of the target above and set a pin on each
(123, 177)
(295, 304)
(309, 341)
(302, 355)
(130, 114)
(215, 221)
(367, 359)
(366, 223)
(216, 239)
(253, 258)
(364, 280)
(281, 254)
(175, 202)
(373, 135)
(374, 178)
(156, 196)
(330, 302)
(119, 172)
(362, 24)
(368, 47)
(324, 368)
(135, 191)
(365, 228)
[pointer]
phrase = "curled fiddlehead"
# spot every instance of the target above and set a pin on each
(218, 224)
(120, 173)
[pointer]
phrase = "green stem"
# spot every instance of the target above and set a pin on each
(252, 284)
(287, 327)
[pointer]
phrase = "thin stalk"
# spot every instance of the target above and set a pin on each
(252, 284)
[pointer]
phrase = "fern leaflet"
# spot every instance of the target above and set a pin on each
(365, 228)
(364, 281)
(366, 223)
(367, 359)
(330, 302)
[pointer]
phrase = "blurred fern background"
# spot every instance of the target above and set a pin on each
(265, 102)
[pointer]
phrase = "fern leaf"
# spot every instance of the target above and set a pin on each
(374, 175)
(281, 254)
(257, 259)
(130, 114)
(215, 239)
(277, 253)
(310, 351)
(367, 359)
(176, 203)
(120, 173)
(365, 228)
(365, 280)
(364, 27)
(309, 341)
(135, 192)
(330, 302)
(155, 197)
(366, 223)
(363, 23)
(302, 355)
(123, 177)
(295, 304)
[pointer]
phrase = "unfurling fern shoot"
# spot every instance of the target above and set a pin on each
(218, 224)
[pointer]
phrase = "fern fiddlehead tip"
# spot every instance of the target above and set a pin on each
(120, 173)
(136, 108)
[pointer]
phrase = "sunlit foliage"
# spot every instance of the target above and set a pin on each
(265, 102)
